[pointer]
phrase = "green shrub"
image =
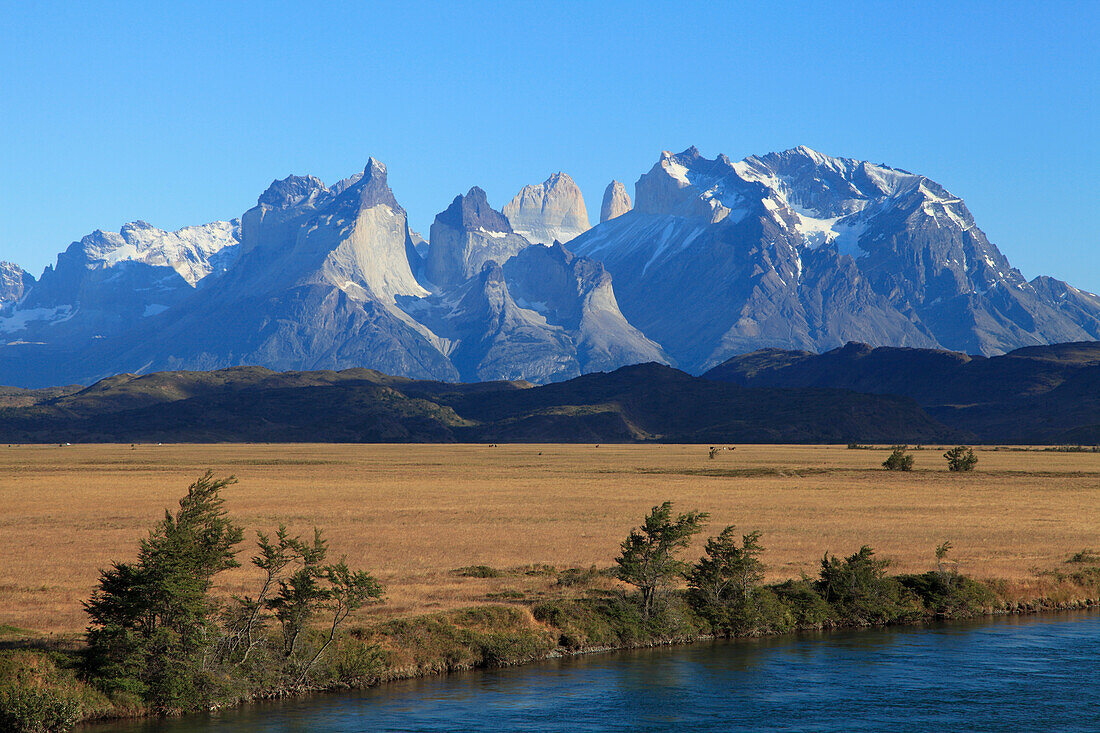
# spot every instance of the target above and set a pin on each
(478, 571)
(464, 639)
(33, 710)
(352, 662)
(949, 595)
(961, 458)
(1086, 555)
(593, 622)
(157, 635)
(899, 460)
(722, 585)
(861, 593)
(764, 613)
(577, 577)
(804, 606)
(509, 648)
(40, 692)
(617, 620)
(649, 559)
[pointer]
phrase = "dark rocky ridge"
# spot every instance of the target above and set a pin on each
(1038, 394)
(643, 403)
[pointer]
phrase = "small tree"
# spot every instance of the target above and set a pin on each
(347, 591)
(154, 632)
(722, 583)
(899, 460)
(961, 458)
(302, 594)
(245, 620)
(151, 620)
(648, 560)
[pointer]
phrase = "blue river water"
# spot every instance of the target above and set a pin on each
(1012, 674)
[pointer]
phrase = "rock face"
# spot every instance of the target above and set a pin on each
(539, 313)
(798, 250)
(467, 235)
(616, 201)
(316, 287)
(14, 282)
(551, 211)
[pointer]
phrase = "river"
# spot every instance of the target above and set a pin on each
(1008, 674)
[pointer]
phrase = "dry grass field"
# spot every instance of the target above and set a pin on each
(413, 513)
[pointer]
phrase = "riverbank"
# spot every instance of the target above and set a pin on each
(599, 619)
(1020, 672)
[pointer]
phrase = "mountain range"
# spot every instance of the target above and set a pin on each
(711, 259)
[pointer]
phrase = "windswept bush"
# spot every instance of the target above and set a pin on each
(862, 593)
(649, 554)
(158, 636)
(722, 587)
(152, 620)
(899, 460)
(961, 458)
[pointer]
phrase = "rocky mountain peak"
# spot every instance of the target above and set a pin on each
(291, 191)
(472, 212)
(687, 184)
(371, 187)
(551, 210)
(14, 282)
(465, 236)
(616, 201)
(795, 249)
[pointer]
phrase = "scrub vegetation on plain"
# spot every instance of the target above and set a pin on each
(509, 554)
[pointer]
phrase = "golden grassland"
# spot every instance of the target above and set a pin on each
(412, 514)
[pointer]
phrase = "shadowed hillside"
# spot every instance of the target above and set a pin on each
(1038, 394)
(648, 402)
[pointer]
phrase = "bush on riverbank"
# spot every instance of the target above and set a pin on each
(159, 639)
(40, 691)
(483, 636)
(616, 620)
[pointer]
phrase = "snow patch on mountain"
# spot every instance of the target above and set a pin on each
(189, 251)
(20, 319)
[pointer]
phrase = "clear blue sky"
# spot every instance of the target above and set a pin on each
(182, 113)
